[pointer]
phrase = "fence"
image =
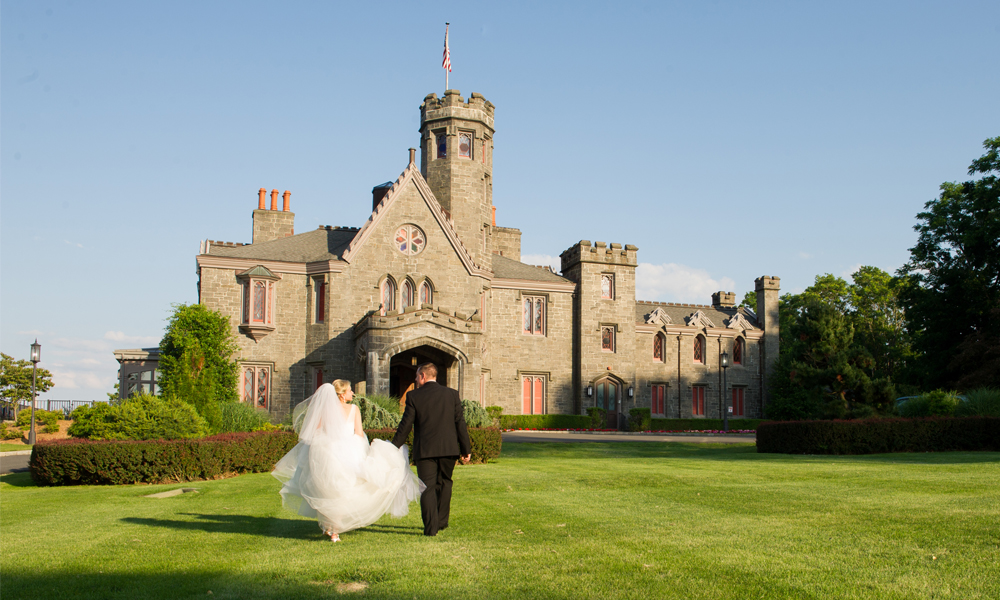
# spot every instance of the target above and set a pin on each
(66, 406)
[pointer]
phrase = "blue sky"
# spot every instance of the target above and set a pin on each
(727, 140)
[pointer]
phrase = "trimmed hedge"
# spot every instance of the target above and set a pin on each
(639, 419)
(878, 436)
(90, 462)
(486, 442)
(702, 424)
(545, 422)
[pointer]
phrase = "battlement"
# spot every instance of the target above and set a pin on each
(599, 252)
(453, 106)
(767, 282)
(337, 227)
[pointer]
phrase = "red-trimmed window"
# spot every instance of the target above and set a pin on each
(738, 407)
(320, 301)
(533, 315)
(426, 293)
(256, 386)
(532, 394)
(698, 401)
(658, 404)
(408, 293)
(738, 351)
(388, 296)
(608, 286)
(699, 349)
(659, 343)
(608, 338)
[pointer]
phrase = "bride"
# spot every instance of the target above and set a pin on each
(333, 475)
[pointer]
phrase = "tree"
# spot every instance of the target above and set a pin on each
(952, 279)
(879, 320)
(15, 381)
(196, 360)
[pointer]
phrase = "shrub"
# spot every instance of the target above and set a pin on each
(391, 404)
(639, 419)
(938, 403)
(486, 442)
(934, 434)
(495, 413)
(139, 417)
(545, 422)
(85, 462)
(374, 416)
(48, 418)
(598, 417)
(10, 434)
(701, 424)
(237, 416)
(475, 415)
(983, 402)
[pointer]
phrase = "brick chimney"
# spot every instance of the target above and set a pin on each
(272, 224)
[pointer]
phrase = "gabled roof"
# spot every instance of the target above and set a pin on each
(315, 245)
(680, 314)
(412, 174)
(506, 268)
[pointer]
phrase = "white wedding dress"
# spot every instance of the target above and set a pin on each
(335, 476)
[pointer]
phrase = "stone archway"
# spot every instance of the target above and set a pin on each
(403, 360)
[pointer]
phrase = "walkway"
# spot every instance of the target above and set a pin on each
(615, 436)
(13, 462)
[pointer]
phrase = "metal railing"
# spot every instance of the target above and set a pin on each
(66, 406)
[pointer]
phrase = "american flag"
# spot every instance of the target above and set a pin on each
(446, 60)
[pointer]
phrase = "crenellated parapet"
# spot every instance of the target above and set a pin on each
(599, 252)
(453, 106)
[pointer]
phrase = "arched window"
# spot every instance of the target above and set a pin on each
(408, 293)
(608, 286)
(738, 351)
(426, 293)
(388, 296)
(699, 349)
(659, 342)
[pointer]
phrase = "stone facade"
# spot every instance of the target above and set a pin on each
(430, 276)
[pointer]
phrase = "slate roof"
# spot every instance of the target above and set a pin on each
(678, 313)
(506, 268)
(318, 244)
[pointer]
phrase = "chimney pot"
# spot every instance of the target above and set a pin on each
(274, 199)
(287, 196)
(261, 193)
(413, 156)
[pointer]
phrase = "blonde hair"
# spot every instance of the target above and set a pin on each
(341, 386)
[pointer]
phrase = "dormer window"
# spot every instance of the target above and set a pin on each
(257, 318)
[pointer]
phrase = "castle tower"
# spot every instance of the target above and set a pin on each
(456, 159)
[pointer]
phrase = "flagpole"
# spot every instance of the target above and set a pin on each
(446, 63)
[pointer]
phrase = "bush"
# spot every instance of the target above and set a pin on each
(598, 417)
(495, 413)
(139, 417)
(237, 416)
(486, 442)
(374, 416)
(934, 434)
(10, 434)
(391, 404)
(475, 415)
(701, 424)
(639, 419)
(938, 403)
(983, 402)
(545, 422)
(85, 462)
(48, 418)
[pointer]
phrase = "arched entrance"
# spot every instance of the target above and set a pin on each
(607, 395)
(403, 368)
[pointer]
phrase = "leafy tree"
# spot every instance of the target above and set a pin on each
(196, 361)
(15, 381)
(749, 301)
(952, 290)
(879, 320)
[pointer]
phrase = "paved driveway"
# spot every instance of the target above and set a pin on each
(14, 461)
(612, 436)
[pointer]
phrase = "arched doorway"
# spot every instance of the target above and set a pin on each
(607, 395)
(403, 368)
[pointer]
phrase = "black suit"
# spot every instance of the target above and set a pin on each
(439, 438)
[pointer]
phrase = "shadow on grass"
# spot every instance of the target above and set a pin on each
(295, 529)
(20, 479)
(722, 452)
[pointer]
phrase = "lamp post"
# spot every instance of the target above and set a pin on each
(724, 359)
(36, 355)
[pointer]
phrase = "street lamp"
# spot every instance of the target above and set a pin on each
(725, 414)
(36, 355)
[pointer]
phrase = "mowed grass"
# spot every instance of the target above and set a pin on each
(553, 520)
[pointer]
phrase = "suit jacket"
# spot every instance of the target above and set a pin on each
(438, 421)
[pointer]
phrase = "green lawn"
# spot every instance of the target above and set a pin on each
(7, 447)
(591, 520)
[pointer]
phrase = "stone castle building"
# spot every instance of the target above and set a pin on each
(430, 276)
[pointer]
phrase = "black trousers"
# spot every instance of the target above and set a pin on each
(435, 502)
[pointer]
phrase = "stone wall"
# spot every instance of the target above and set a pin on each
(507, 242)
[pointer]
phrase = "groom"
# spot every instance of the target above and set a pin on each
(439, 438)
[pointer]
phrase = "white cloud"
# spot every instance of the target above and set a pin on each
(672, 282)
(77, 244)
(805, 256)
(144, 341)
(846, 273)
(31, 332)
(85, 368)
(543, 259)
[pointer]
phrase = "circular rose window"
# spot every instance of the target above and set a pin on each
(410, 239)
